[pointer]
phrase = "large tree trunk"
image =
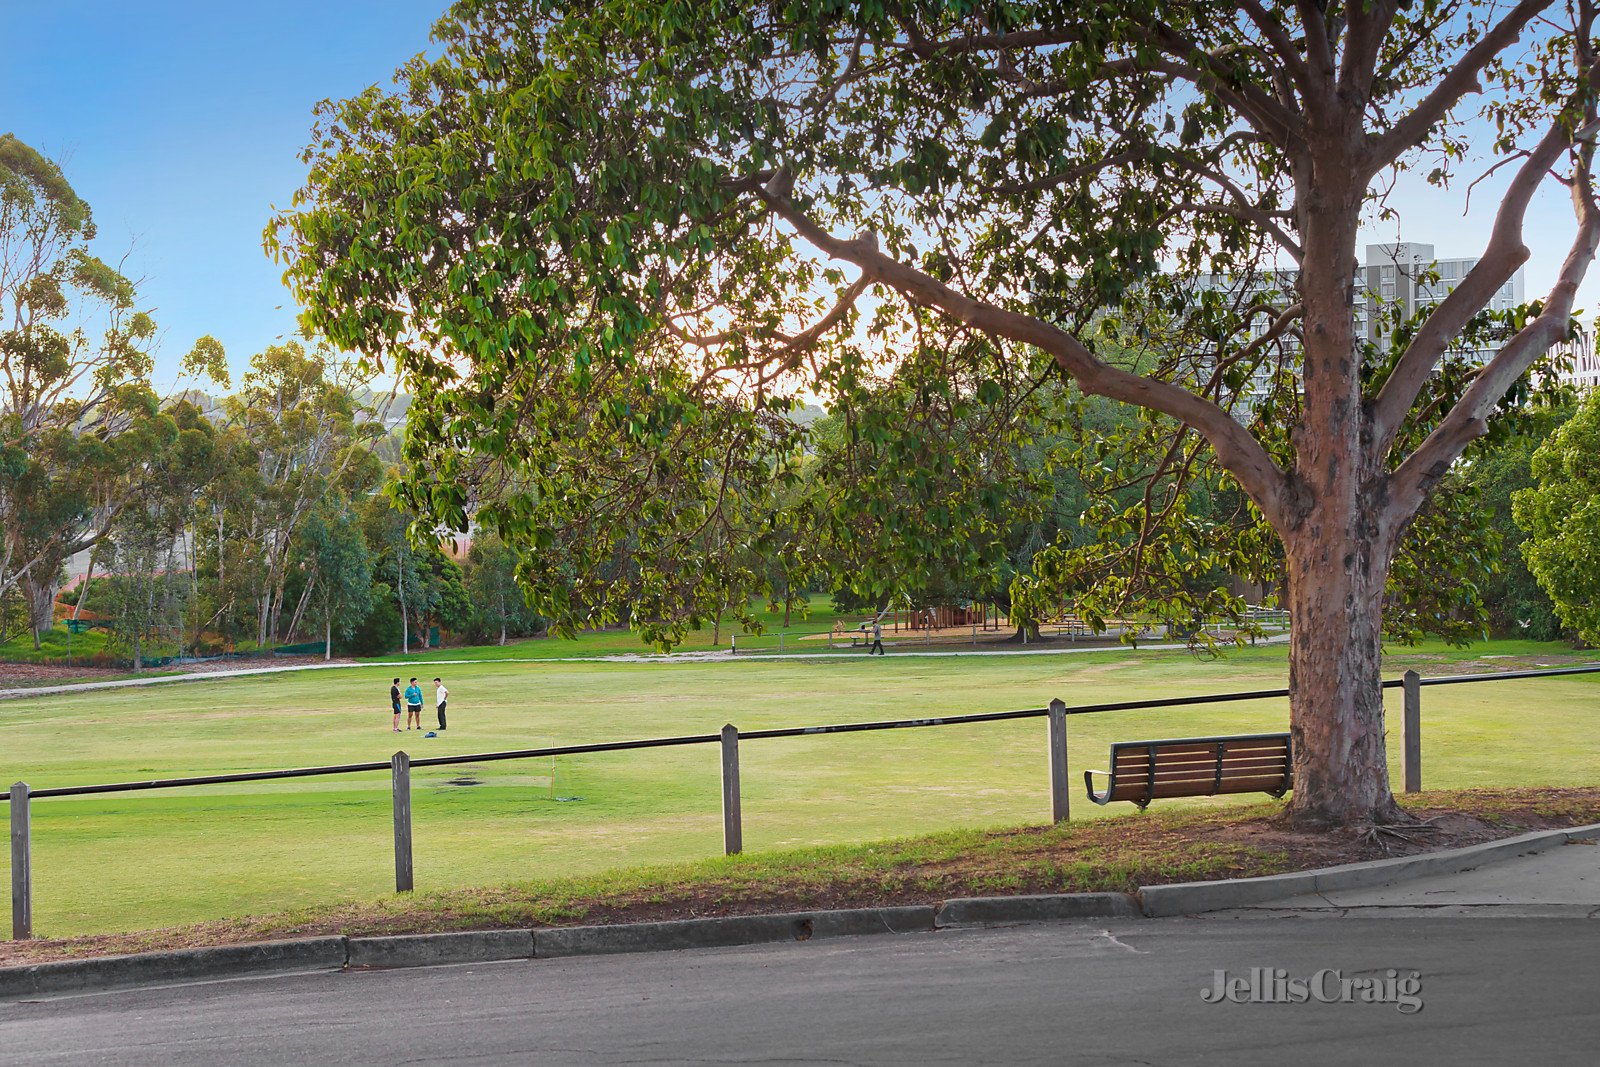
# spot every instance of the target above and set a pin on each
(1341, 772)
(1336, 555)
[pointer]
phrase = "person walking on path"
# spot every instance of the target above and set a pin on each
(394, 699)
(413, 704)
(877, 638)
(441, 695)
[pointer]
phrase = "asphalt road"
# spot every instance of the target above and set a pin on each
(1492, 989)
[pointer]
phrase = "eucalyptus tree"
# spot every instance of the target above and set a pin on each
(78, 413)
(339, 578)
(301, 437)
(499, 608)
(583, 233)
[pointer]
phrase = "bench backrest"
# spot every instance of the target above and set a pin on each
(1201, 766)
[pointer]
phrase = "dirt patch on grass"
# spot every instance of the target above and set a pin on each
(1116, 854)
(1488, 664)
(27, 675)
(36, 675)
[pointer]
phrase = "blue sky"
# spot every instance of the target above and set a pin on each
(181, 124)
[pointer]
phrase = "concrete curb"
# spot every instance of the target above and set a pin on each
(556, 942)
(427, 950)
(183, 965)
(672, 934)
(1192, 898)
(972, 911)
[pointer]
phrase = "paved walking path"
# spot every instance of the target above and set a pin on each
(1561, 882)
(634, 658)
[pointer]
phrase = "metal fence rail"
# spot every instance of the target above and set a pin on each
(21, 795)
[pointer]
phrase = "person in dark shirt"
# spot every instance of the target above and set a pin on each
(394, 702)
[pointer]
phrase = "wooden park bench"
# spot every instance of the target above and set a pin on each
(1142, 771)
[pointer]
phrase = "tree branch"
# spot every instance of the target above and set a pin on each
(1279, 123)
(1282, 43)
(1501, 258)
(1319, 48)
(1457, 82)
(1369, 25)
(1047, 181)
(1470, 416)
(1236, 447)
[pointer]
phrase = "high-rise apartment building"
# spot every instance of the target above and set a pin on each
(1394, 283)
(1408, 278)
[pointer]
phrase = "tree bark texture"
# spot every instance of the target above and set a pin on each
(1336, 723)
(39, 595)
(1337, 554)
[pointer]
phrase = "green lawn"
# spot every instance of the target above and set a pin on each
(131, 861)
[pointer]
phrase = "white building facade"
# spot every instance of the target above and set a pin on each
(1395, 282)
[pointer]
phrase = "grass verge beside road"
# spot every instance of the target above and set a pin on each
(1117, 854)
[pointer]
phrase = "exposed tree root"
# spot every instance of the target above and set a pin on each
(1381, 834)
(1318, 820)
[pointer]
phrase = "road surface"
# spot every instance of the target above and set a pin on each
(1125, 993)
(1508, 957)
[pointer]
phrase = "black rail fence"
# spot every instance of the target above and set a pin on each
(20, 796)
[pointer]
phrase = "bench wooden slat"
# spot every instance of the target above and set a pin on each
(1204, 765)
(1228, 759)
(1207, 744)
(1140, 762)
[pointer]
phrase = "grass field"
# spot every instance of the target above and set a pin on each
(133, 861)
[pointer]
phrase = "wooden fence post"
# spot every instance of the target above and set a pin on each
(1411, 732)
(732, 826)
(1057, 747)
(21, 865)
(400, 765)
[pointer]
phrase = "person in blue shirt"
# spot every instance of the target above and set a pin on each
(413, 704)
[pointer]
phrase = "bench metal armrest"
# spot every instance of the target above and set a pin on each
(1088, 784)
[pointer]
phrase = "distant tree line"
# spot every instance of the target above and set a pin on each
(249, 522)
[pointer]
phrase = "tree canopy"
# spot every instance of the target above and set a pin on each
(607, 243)
(1561, 513)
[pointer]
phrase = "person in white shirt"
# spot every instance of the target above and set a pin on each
(440, 696)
